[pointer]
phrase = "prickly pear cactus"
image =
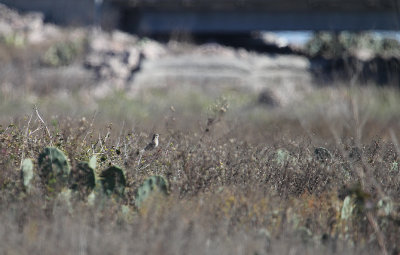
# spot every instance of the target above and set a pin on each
(323, 155)
(355, 155)
(113, 181)
(347, 208)
(282, 156)
(54, 169)
(83, 178)
(152, 185)
(385, 206)
(93, 162)
(27, 173)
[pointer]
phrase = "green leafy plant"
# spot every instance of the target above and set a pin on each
(333, 44)
(63, 53)
(17, 40)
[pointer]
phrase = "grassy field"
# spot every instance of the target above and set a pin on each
(317, 174)
(321, 176)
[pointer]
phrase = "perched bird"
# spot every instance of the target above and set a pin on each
(153, 144)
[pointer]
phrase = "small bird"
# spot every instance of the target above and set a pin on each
(153, 144)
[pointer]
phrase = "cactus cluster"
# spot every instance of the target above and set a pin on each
(58, 178)
(57, 175)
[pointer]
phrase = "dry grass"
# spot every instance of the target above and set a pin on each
(243, 179)
(237, 185)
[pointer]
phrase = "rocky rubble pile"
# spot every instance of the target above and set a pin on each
(116, 57)
(286, 79)
(29, 28)
(124, 61)
(106, 61)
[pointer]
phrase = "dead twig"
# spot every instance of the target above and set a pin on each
(90, 130)
(44, 124)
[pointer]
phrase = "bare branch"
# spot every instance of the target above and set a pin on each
(44, 124)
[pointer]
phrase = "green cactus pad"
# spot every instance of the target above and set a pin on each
(355, 154)
(53, 168)
(282, 156)
(83, 178)
(347, 208)
(386, 206)
(113, 181)
(27, 173)
(93, 162)
(321, 154)
(152, 185)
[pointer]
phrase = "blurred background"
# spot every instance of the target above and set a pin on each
(141, 54)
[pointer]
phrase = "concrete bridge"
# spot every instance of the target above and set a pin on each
(220, 16)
